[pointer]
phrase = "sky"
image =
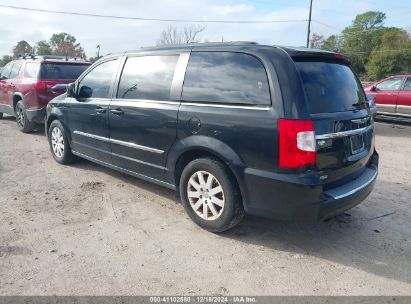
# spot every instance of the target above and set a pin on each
(114, 35)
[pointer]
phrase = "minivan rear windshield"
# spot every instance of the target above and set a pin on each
(330, 86)
(61, 70)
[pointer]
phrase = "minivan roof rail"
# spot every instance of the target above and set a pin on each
(188, 45)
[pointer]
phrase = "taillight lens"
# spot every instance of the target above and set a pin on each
(297, 143)
(40, 85)
(44, 85)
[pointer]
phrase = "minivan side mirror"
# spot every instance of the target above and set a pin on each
(71, 90)
(85, 92)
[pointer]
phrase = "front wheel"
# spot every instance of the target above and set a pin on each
(59, 145)
(24, 124)
(210, 195)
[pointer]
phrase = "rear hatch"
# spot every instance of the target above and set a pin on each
(342, 121)
(52, 73)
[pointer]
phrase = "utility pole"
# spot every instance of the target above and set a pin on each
(309, 23)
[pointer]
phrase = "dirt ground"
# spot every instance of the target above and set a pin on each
(86, 230)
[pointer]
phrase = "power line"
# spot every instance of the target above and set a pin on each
(144, 19)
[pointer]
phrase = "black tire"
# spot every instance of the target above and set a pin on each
(23, 122)
(1, 115)
(61, 154)
(232, 211)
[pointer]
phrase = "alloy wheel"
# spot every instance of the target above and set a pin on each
(57, 142)
(206, 195)
(20, 117)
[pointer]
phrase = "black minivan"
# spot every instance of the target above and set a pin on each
(237, 128)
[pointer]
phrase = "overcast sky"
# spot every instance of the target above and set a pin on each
(119, 35)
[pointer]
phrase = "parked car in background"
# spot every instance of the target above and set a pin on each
(392, 95)
(26, 86)
(217, 122)
(371, 104)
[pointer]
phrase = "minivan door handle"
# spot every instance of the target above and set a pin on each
(100, 110)
(117, 111)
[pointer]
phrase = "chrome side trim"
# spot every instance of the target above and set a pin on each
(144, 177)
(119, 142)
(358, 188)
(92, 136)
(140, 103)
(344, 133)
(135, 146)
(257, 108)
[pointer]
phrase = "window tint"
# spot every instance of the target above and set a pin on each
(96, 84)
(224, 77)
(407, 86)
(392, 84)
(31, 70)
(5, 73)
(330, 87)
(148, 77)
(15, 70)
(61, 70)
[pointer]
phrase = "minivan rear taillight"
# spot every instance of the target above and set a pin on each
(297, 143)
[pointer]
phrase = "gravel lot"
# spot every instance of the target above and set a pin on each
(86, 230)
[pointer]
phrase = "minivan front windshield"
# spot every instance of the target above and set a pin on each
(330, 87)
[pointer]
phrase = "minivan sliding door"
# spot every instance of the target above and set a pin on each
(143, 116)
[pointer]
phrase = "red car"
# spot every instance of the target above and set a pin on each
(392, 95)
(26, 86)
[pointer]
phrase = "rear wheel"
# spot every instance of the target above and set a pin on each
(1, 115)
(23, 123)
(59, 145)
(210, 195)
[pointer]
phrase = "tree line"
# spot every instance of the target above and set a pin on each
(375, 50)
(59, 44)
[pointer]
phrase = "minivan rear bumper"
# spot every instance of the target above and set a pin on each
(302, 197)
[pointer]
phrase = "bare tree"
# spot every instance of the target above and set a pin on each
(316, 41)
(174, 35)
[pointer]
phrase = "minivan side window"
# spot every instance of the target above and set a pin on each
(97, 83)
(147, 77)
(31, 70)
(392, 84)
(226, 77)
(15, 70)
(5, 73)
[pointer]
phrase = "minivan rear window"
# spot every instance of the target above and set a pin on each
(61, 70)
(330, 87)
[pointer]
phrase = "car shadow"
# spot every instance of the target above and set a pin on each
(354, 239)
